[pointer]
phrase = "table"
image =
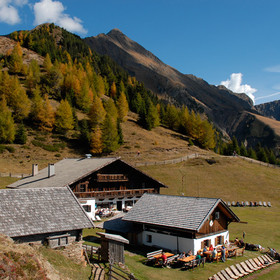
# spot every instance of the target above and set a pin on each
(158, 256)
(187, 259)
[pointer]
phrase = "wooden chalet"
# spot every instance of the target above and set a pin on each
(177, 223)
(104, 182)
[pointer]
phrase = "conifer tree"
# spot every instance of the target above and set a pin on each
(96, 141)
(110, 137)
(97, 113)
(46, 116)
(111, 109)
(15, 60)
(63, 117)
(47, 63)
(113, 90)
(122, 106)
(20, 136)
(7, 127)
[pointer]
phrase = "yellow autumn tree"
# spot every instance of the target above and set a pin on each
(96, 145)
(46, 116)
(64, 117)
(97, 113)
(122, 106)
(15, 60)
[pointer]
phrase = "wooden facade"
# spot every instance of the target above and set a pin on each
(117, 179)
(112, 248)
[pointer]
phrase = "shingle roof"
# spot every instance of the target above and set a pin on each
(117, 224)
(173, 211)
(67, 171)
(40, 210)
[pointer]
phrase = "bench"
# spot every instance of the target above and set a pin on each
(151, 255)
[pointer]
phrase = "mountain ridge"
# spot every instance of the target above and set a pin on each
(225, 108)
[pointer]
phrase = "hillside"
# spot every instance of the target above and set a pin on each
(229, 111)
(155, 145)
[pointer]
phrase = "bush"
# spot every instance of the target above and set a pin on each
(10, 149)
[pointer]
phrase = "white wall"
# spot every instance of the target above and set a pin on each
(175, 243)
(90, 202)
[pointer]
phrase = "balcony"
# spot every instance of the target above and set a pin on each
(111, 178)
(114, 193)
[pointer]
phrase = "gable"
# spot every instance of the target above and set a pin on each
(36, 211)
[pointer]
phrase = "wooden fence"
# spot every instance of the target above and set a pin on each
(118, 274)
(9, 174)
(168, 161)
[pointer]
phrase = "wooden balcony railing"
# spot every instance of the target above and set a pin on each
(114, 194)
(111, 178)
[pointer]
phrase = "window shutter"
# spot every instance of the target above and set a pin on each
(216, 241)
(223, 240)
(202, 245)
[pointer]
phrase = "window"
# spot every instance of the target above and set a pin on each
(149, 238)
(207, 243)
(87, 208)
(220, 239)
(217, 215)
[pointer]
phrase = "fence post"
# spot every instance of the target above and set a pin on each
(110, 272)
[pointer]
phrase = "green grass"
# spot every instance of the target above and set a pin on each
(232, 180)
(5, 181)
(67, 268)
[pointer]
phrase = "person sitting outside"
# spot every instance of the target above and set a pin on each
(182, 255)
(211, 248)
(198, 259)
(236, 241)
(205, 249)
(164, 259)
(214, 254)
(223, 254)
(189, 253)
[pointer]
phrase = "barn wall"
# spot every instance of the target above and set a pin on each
(41, 239)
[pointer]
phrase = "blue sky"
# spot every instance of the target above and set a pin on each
(234, 43)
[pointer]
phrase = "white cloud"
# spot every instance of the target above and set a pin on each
(53, 12)
(9, 11)
(234, 84)
(273, 69)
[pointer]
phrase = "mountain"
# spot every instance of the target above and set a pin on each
(270, 109)
(232, 113)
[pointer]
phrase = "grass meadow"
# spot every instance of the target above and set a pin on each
(231, 179)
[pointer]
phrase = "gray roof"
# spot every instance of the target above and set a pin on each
(117, 224)
(35, 211)
(180, 212)
(67, 171)
(114, 237)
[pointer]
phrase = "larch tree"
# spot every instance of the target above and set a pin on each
(97, 113)
(110, 137)
(122, 106)
(64, 117)
(47, 63)
(46, 116)
(113, 90)
(15, 59)
(96, 145)
(7, 126)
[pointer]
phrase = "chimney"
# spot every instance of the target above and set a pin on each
(51, 170)
(34, 169)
